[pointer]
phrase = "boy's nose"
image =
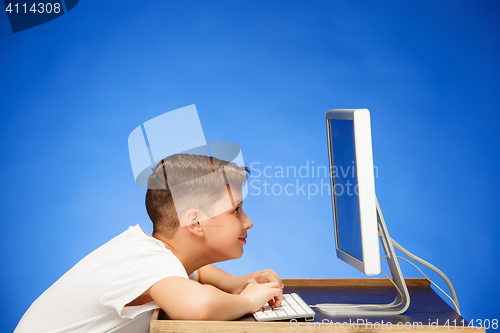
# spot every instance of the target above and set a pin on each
(248, 223)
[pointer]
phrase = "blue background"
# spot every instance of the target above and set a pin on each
(262, 74)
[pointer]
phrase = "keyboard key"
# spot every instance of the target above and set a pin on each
(292, 307)
(303, 304)
(271, 314)
(289, 310)
(280, 312)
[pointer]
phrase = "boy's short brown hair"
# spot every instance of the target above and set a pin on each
(202, 180)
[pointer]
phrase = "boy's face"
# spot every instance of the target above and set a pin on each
(226, 233)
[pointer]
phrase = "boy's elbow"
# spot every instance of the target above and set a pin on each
(204, 314)
(201, 311)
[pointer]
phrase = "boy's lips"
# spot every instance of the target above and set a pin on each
(243, 239)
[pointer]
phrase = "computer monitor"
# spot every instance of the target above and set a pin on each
(358, 220)
(353, 189)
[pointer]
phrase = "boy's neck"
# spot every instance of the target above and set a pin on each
(187, 250)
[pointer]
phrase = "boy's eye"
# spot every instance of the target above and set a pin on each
(237, 210)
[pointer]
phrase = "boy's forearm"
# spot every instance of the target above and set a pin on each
(232, 284)
(220, 305)
(218, 278)
(184, 299)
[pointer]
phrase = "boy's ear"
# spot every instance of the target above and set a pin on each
(193, 222)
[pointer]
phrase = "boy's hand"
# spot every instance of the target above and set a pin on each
(265, 276)
(261, 293)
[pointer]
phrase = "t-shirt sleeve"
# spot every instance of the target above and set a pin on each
(136, 276)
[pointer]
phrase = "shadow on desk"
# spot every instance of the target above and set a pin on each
(427, 312)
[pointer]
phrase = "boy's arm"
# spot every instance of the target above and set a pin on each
(182, 298)
(233, 284)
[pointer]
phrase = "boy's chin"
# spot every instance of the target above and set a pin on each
(238, 255)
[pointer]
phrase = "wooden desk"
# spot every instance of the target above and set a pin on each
(426, 309)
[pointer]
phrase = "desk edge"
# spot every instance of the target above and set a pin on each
(354, 282)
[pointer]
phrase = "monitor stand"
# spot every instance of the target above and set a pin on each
(398, 306)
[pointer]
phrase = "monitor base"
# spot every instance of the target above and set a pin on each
(402, 300)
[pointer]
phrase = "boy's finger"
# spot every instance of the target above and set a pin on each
(279, 298)
(276, 301)
(278, 279)
(273, 284)
(273, 276)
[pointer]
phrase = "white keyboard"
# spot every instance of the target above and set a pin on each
(292, 307)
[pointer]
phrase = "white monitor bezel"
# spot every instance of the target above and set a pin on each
(370, 265)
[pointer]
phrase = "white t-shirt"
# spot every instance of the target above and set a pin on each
(91, 296)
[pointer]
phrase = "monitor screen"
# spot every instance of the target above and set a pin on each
(353, 189)
(345, 188)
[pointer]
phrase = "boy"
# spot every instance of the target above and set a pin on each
(116, 287)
